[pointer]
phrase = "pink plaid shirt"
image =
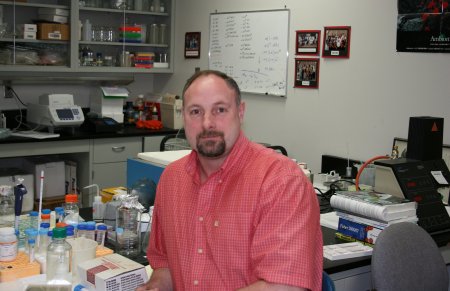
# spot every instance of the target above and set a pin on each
(257, 218)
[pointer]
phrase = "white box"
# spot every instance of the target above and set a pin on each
(112, 272)
(9, 176)
(53, 18)
(22, 28)
(54, 175)
(171, 115)
(54, 11)
(28, 35)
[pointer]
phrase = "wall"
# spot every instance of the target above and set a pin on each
(362, 103)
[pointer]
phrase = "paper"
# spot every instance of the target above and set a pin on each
(35, 134)
(439, 177)
(115, 92)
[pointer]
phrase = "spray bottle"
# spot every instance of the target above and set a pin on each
(98, 208)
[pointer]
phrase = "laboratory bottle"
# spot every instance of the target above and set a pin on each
(31, 249)
(59, 259)
(128, 228)
(8, 244)
(33, 218)
(6, 206)
(30, 233)
(45, 216)
(98, 208)
(71, 210)
(90, 230)
(87, 30)
(81, 229)
(59, 212)
(101, 234)
(70, 233)
(129, 113)
(43, 241)
(155, 113)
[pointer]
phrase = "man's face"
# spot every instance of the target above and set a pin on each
(212, 119)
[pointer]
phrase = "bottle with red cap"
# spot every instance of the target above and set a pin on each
(71, 209)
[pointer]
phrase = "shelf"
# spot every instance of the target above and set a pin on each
(21, 40)
(112, 10)
(122, 44)
(24, 4)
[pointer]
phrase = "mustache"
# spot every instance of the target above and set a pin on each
(210, 133)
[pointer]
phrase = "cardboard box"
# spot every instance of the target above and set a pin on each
(171, 115)
(112, 272)
(53, 31)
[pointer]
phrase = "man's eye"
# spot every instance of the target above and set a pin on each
(221, 110)
(195, 112)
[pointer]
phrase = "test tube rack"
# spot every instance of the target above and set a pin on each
(19, 268)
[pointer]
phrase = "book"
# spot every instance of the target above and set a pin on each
(348, 238)
(375, 222)
(374, 205)
(358, 231)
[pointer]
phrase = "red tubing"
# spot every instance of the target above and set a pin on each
(365, 165)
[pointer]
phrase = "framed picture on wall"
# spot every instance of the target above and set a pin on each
(192, 45)
(306, 73)
(307, 42)
(336, 42)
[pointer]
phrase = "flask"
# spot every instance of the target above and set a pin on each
(59, 259)
(8, 244)
(87, 30)
(71, 210)
(6, 206)
(128, 227)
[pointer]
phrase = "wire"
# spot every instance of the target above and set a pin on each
(365, 165)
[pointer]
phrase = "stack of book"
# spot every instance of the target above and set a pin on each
(363, 215)
(144, 60)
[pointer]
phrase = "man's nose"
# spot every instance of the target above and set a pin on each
(209, 120)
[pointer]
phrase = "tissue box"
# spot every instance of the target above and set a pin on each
(112, 272)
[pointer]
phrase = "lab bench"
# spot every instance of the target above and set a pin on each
(101, 157)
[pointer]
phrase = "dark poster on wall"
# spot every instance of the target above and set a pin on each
(423, 26)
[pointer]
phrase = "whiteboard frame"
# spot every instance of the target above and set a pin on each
(287, 45)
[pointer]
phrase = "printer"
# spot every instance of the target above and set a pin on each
(53, 111)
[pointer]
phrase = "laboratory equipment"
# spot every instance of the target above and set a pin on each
(45, 216)
(43, 241)
(19, 191)
(55, 110)
(128, 230)
(33, 219)
(31, 248)
(6, 206)
(59, 259)
(90, 230)
(71, 209)
(59, 211)
(108, 102)
(81, 229)
(101, 234)
(8, 244)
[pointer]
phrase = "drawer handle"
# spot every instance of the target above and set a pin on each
(118, 149)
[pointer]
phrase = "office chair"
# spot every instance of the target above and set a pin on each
(327, 282)
(173, 142)
(405, 257)
(278, 148)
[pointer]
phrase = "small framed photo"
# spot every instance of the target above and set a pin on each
(336, 42)
(306, 73)
(307, 42)
(192, 45)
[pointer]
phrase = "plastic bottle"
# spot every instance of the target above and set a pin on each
(59, 255)
(90, 230)
(128, 227)
(45, 216)
(6, 206)
(87, 30)
(30, 233)
(33, 219)
(43, 242)
(31, 249)
(101, 234)
(98, 208)
(81, 229)
(155, 113)
(59, 211)
(8, 244)
(129, 112)
(71, 210)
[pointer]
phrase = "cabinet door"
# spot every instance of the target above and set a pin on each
(125, 36)
(109, 175)
(25, 45)
(152, 143)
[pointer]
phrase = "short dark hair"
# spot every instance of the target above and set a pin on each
(230, 82)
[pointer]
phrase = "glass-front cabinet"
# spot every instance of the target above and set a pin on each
(128, 36)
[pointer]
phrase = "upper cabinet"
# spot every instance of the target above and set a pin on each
(96, 36)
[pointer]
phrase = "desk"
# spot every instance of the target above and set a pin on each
(355, 273)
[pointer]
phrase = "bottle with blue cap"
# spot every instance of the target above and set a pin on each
(59, 212)
(101, 234)
(90, 230)
(33, 218)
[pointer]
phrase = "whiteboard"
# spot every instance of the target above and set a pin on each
(251, 47)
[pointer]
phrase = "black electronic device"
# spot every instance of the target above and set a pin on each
(425, 138)
(414, 180)
(101, 125)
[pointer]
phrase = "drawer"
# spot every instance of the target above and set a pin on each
(116, 149)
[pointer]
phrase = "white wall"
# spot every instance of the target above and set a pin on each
(362, 103)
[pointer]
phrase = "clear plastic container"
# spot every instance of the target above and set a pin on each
(59, 211)
(90, 231)
(101, 234)
(81, 229)
(33, 218)
(128, 228)
(71, 209)
(8, 244)
(59, 255)
(6, 206)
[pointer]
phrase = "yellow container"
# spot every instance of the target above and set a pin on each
(108, 193)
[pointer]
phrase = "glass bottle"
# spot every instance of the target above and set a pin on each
(71, 210)
(59, 259)
(6, 206)
(128, 227)
(129, 112)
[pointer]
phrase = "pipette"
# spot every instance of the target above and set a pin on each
(19, 191)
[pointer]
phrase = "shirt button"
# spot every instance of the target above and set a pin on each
(200, 218)
(200, 251)
(195, 282)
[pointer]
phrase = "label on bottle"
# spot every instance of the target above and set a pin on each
(8, 251)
